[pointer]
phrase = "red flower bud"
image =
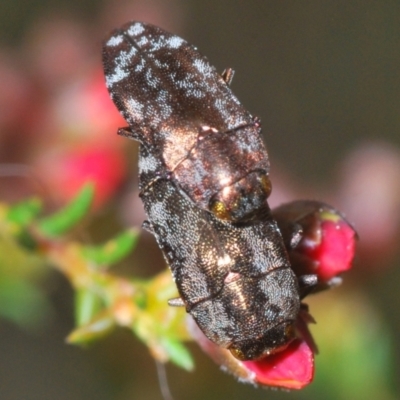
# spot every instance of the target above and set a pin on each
(67, 171)
(327, 241)
(84, 111)
(291, 368)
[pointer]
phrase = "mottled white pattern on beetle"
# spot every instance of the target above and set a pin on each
(236, 100)
(159, 64)
(122, 61)
(160, 42)
(251, 143)
(204, 68)
(262, 260)
(220, 104)
(135, 29)
(165, 220)
(174, 42)
(164, 99)
(142, 41)
(151, 80)
(115, 40)
(192, 88)
(157, 44)
(216, 317)
(154, 114)
(134, 108)
(195, 87)
(148, 164)
(188, 84)
(140, 65)
(118, 75)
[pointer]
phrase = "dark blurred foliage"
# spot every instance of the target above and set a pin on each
(322, 76)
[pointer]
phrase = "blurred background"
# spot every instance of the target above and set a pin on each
(324, 79)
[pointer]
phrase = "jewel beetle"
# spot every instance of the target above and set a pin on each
(204, 182)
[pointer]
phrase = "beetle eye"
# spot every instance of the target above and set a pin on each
(290, 332)
(266, 185)
(237, 353)
(219, 209)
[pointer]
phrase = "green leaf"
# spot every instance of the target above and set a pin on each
(24, 212)
(23, 303)
(98, 328)
(114, 250)
(87, 304)
(60, 222)
(178, 353)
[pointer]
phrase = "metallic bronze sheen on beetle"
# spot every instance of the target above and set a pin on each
(204, 184)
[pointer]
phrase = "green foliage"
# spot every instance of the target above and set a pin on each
(21, 273)
(65, 219)
(32, 244)
(114, 250)
(178, 353)
(99, 327)
(87, 305)
(23, 213)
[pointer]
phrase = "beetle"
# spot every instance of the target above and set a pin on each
(203, 177)
(175, 101)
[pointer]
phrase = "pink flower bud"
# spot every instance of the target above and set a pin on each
(291, 368)
(65, 172)
(327, 241)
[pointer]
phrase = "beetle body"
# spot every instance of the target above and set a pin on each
(204, 184)
(175, 102)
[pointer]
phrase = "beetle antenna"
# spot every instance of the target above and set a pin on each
(163, 381)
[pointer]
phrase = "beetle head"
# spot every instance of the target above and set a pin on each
(274, 340)
(244, 200)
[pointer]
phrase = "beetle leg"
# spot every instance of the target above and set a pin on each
(176, 302)
(306, 284)
(227, 75)
(333, 282)
(147, 225)
(296, 235)
(129, 133)
(292, 233)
